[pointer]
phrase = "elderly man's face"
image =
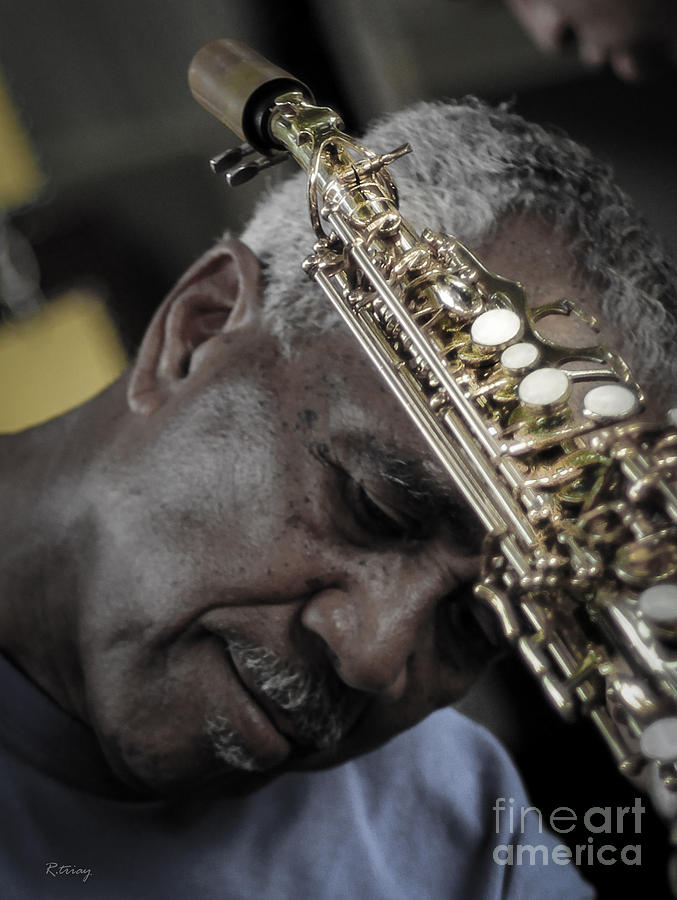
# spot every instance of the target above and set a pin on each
(281, 575)
(633, 36)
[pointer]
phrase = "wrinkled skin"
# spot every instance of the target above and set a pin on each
(635, 37)
(262, 533)
(225, 499)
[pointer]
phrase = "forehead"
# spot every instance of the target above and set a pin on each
(344, 392)
(354, 424)
(528, 249)
(342, 397)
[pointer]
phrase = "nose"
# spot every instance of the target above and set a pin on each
(371, 634)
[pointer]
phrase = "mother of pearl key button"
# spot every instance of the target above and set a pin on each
(544, 387)
(495, 328)
(519, 357)
(658, 603)
(610, 401)
(659, 739)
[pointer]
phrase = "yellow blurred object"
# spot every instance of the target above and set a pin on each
(56, 359)
(20, 175)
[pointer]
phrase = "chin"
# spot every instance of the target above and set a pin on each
(147, 771)
(372, 730)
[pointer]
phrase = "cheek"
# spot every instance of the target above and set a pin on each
(151, 719)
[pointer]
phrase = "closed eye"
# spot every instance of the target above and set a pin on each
(378, 517)
(381, 507)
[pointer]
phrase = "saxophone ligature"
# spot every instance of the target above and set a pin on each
(579, 504)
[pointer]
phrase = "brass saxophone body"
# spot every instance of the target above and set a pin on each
(579, 504)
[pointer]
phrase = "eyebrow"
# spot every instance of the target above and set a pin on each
(416, 476)
(410, 476)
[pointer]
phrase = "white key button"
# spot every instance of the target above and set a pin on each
(615, 401)
(544, 387)
(659, 603)
(520, 357)
(659, 740)
(495, 328)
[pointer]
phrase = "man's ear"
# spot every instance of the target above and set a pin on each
(219, 292)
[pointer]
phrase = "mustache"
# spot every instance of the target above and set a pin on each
(318, 705)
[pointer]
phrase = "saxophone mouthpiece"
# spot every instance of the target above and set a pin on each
(239, 87)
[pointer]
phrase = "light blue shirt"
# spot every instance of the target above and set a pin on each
(413, 820)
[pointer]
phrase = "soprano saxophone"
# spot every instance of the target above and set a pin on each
(580, 561)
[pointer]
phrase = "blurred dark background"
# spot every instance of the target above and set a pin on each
(102, 95)
(107, 190)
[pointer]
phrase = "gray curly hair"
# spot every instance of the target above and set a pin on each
(474, 165)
